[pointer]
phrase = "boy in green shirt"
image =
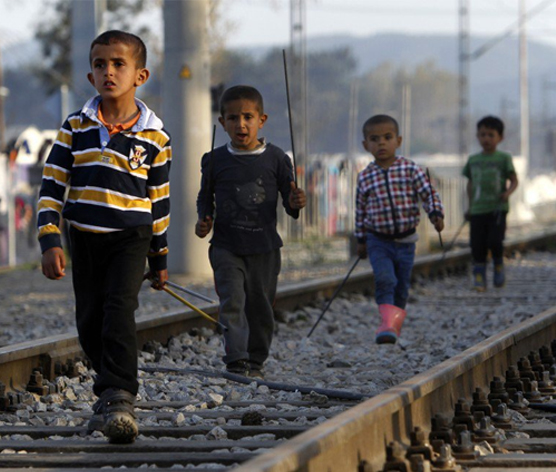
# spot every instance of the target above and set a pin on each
(488, 191)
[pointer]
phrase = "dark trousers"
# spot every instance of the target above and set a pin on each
(107, 275)
(246, 286)
(487, 233)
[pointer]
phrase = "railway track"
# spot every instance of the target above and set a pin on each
(313, 432)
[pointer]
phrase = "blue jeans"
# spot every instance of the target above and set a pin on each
(392, 263)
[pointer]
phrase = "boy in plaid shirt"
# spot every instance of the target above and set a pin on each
(386, 218)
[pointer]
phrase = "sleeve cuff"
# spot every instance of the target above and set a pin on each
(48, 241)
(157, 263)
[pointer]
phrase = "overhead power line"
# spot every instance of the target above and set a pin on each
(511, 30)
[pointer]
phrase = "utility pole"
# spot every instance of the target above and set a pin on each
(298, 94)
(353, 124)
(406, 117)
(298, 80)
(86, 23)
(186, 107)
(3, 93)
(463, 82)
(523, 84)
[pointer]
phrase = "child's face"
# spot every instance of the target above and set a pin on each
(114, 74)
(488, 139)
(242, 121)
(382, 140)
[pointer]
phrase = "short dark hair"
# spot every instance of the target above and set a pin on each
(379, 120)
(239, 92)
(491, 122)
(117, 36)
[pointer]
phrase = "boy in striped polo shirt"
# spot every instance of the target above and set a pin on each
(386, 218)
(113, 158)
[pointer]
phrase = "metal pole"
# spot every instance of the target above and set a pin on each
(64, 102)
(299, 76)
(406, 114)
(12, 259)
(84, 15)
(186, 111)
(2, 121)
(463, 82)
(298, 60)
(523, 84)
(353, 123)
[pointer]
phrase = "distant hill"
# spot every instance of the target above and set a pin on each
(494, 77)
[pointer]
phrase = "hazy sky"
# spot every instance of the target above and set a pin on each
(267, 22)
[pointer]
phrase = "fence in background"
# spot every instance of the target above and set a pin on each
(329, 182)
(331, 185)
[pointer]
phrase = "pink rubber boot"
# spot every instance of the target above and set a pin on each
(392, 319)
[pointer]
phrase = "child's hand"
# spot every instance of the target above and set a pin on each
(504, 197)
(362, 250)
(438, 223)
(54, 263)
(203, 227)
(297, 199)
(157, 278)
(160, 278)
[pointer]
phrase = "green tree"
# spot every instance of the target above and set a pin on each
(433, 103)
(54, 35)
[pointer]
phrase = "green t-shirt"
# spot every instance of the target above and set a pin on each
(488, 174)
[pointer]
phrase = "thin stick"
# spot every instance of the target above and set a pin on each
(334, 296)
(190, 292)
(434, 205)
(208, 196)
(449, 248)
(290, 116)
(194, 308)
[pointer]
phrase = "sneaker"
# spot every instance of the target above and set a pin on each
(96, 422)
(479, 277)
(240, 367)
(256, 371)
(499, 275)
(120, 426)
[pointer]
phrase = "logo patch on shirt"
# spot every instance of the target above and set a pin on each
(137, 156)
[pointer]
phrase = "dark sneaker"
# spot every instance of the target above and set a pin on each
(119, 416)
(256, 371)
(499, 275)
(240, 367)
(96, 422)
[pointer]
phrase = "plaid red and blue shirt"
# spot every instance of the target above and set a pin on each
(387, 201)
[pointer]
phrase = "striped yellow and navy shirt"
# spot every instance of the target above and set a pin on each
(112, 182)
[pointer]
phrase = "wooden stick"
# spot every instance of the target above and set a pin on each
(194, 308)
(290, 116)
(434, 205)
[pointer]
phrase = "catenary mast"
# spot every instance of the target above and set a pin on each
(186, 112)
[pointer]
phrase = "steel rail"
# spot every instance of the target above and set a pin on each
(19, 360)
(356, 439)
